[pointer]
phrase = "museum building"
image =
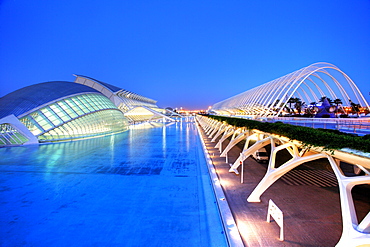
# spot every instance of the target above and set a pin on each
(60, 111)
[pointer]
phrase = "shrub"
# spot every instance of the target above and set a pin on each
(329, 139)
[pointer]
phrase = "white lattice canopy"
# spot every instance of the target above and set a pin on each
(309, 84)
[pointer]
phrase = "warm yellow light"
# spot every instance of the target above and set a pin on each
(225, 183)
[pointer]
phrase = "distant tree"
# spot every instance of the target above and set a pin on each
(355, 107)
(324, 97)
(310, 111)
(276, 105)
(290, 102)
(337, 102)
(298, 105)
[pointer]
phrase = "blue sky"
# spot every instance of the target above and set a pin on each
(188, 54)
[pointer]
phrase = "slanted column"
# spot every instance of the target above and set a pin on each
(353, 234)
(228, 132)
(234, 141)
(273, 174)
(246, 153)
(221, 130)
(212, 127)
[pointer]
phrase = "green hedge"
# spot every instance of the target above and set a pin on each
(329, 139)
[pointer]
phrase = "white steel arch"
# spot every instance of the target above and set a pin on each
(321, 79)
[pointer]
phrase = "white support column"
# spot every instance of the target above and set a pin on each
(235, 141)
(246, 153)
(19, 126)
(208, 124)
(242, 169)
(219, 132)
(364, 225)
(273, 174)
(210, 127)
(215, 129)
(229, 131)
(353, 234)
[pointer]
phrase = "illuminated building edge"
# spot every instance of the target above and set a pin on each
(61, 111)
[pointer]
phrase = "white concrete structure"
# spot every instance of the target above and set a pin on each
(354, 233)
(134, 106)
(12, 131)
(308, 84)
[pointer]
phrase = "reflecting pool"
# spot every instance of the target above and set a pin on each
(148, 186)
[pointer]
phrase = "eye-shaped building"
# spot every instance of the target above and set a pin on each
(61, 110)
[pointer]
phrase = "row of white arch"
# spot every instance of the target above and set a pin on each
(354, 233)
(309, 84)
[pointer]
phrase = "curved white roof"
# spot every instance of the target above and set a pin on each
(309, 84)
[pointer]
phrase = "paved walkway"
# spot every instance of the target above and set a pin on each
(312, 214)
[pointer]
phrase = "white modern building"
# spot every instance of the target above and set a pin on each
(61, 110)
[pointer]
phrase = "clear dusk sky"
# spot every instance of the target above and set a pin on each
(186, 53)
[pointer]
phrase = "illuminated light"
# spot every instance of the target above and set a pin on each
(245, 230)
(230, 221)
(222, 199)
(234, 232)
(231, 226)
(224, 183)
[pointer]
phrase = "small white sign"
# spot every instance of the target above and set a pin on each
(277, 215)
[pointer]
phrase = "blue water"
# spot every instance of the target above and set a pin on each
(145, 187)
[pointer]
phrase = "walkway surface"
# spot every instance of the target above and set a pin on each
(312, 214)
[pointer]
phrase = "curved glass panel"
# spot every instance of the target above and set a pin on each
(95, 124)
(28, 98)
(79, 116)
(10, 136)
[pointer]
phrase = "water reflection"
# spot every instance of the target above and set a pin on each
(164, 144)
(107, 189)
(54, 156)
(145, 145)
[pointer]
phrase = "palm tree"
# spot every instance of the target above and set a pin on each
(337, 102)
(277, 102)
(291, 101)
(276, 105)
(297, 102)
(298, 105)
(324, 97)
(355, 107)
